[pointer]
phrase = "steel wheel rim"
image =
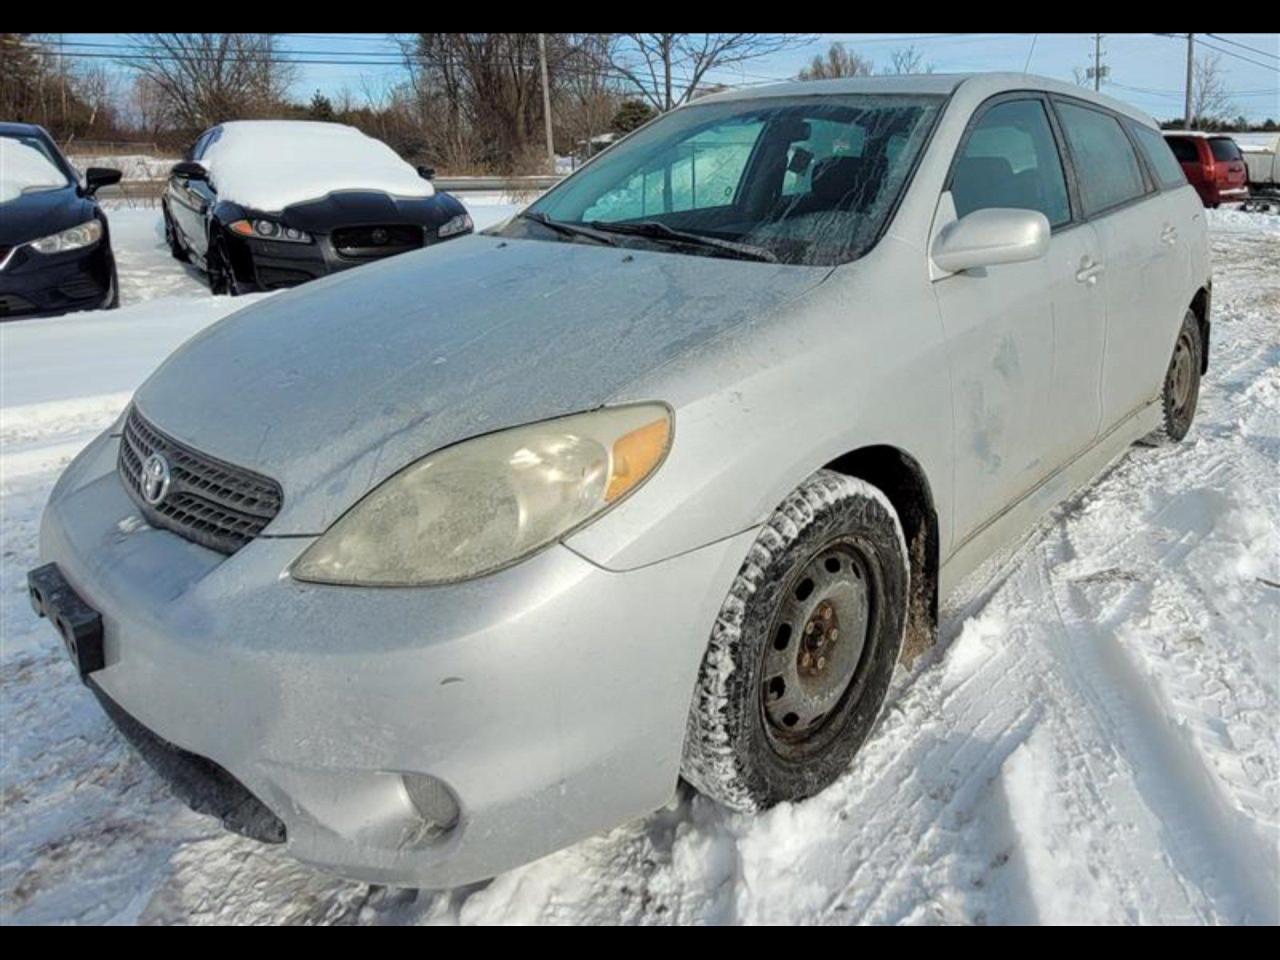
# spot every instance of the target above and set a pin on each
(1181, 375)
(817, 645)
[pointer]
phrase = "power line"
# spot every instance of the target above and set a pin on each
(1244, 46)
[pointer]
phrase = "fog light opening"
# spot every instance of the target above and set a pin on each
(434, 803)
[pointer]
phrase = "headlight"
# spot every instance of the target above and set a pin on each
(270, 230)
(73, 238)
(455, 225)
(483, 504)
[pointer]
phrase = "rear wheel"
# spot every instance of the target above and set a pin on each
(1181, 391)
(804, 648)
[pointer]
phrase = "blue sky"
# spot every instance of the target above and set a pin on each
(1146, 70)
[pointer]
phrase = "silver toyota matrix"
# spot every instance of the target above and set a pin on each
(430, 568)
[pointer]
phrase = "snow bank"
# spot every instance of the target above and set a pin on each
(132, 166)
(25, 168)
(270, 164)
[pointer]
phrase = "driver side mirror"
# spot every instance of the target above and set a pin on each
(989, 237)
(190, 170)
(427, 173)
(96, 177)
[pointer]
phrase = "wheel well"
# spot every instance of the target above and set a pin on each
(900, 477)
(1200, 307)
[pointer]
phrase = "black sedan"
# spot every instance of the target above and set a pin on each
(55, 247)
(260, 205)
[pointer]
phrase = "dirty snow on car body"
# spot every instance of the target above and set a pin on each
(270, 164)
(1094, 739)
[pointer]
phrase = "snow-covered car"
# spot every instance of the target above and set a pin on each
(55, 247)
(431, 568)
(266, 204)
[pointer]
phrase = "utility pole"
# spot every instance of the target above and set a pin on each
(1188, 121)
(546, 103)
(1097, 71)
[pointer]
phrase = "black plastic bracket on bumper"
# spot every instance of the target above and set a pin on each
(80, 625)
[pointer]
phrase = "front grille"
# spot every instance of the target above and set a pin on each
(210, 502)
(376, 241)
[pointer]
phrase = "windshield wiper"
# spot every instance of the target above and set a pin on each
(653, 230)
(568, 229)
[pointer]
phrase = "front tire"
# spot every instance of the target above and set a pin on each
(803, 649)
(176, 249)
(222, 278)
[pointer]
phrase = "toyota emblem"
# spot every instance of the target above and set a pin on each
(379, 236)
(155, 479)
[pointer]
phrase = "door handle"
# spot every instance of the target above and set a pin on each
(1088, 272)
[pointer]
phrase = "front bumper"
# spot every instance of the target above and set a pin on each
(37, 285)
(550, 698)
(274, 265)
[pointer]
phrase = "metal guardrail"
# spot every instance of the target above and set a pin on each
(508, 184)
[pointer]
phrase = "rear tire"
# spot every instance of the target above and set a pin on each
(803, 649)
(1181, 391)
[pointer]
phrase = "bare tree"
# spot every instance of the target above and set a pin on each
(207, 78)
(588, 97)
(839, 61)
(1209, 97)
(668, 69)
(908, 60)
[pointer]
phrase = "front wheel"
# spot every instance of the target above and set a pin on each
(222, 278)
(803, 649)
(176, 249)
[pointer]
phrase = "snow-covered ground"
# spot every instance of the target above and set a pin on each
(1093, 740)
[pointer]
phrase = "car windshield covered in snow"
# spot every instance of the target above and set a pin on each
(806, 180)
(26, 166)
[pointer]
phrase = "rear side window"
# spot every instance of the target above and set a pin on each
(1183, 149)
(1159, 155)
(1224, 148)
(1105, 163)
(1011, 160)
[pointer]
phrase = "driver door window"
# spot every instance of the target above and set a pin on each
(1011, 160)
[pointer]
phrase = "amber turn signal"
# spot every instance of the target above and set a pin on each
(635, 455)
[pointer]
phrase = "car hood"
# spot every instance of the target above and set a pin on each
(333, 386)
(38, 214)
(352, 207)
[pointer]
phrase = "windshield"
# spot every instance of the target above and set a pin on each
(807, 180)
(27, 166)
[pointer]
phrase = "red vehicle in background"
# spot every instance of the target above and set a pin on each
(1214, 165)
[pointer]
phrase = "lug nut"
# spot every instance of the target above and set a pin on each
(832, 634)
(822, 662)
